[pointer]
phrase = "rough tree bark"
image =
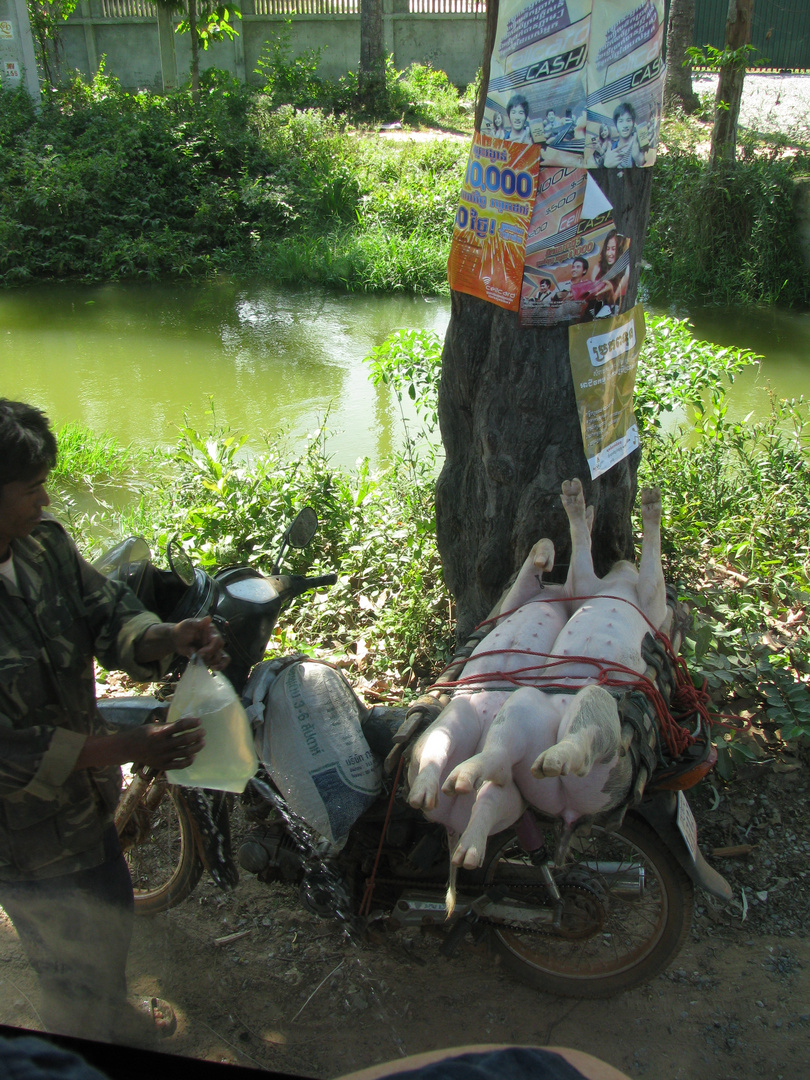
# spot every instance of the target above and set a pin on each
(195, 51)
(511, 432)
(730, 84)
(371, 74)
(678, 92)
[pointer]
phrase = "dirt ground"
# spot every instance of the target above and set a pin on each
(292, 994)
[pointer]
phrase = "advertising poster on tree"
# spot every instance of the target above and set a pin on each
(625, 83)
(537, 85)
(489, 233)
(576, 264)
(604, 356)
(582, 80)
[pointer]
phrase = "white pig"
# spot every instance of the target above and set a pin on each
(561, 752)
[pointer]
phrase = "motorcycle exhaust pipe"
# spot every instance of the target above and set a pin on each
(622, 879)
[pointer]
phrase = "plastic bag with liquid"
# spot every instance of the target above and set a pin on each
(228, 759)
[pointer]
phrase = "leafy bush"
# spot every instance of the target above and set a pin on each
(288, 80)
(104, 185)
(735, 531)
(422, 94)
(724, 237)
(389, 611)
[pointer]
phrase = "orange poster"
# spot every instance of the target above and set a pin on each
(489, 234)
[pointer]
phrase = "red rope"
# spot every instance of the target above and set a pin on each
(687, 700)
(365, 905)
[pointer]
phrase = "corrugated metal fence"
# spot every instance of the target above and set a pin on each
(125, 9)
(780, 30)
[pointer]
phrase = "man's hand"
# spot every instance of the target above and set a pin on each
(166, 746)
(200, 636)
(186, 638)
(158, 746)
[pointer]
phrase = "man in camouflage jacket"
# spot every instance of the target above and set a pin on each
(63, 880)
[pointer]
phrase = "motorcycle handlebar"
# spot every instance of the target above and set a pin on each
(317, 582)
(292, 585)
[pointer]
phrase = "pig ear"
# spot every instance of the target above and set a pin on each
(589, 518)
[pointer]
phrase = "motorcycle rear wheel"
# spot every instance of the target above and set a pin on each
(158, 844)
(613, 936)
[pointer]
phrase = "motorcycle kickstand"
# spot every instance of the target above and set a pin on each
(467, 924)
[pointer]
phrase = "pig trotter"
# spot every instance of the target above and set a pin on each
(572, 497)
(650, 499)
(542, 555)
(490, 765)
(424, 793)
(495, 808)
(592, 734)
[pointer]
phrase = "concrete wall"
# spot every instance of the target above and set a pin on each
(143, 52)
(18, 69)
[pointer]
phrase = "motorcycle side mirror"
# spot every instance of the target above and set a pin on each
(179, 563)
(119, 560)
(298, 533)
(303, 528)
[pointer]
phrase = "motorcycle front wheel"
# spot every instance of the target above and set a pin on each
(626, 912)
(158, 845)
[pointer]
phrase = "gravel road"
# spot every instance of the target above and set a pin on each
(771, 104)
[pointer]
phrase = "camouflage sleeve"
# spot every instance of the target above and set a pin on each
(118, 619)
(37, 760)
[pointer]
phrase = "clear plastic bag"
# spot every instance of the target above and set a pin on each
(228, 759)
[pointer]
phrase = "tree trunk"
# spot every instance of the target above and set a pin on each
(195, 51)
(730, 85)
(678, 92)
(511, 433)
(371, 76)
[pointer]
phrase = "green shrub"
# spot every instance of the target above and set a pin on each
(724, 236)
(105, 185)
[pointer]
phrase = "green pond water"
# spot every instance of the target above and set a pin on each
(133, 360)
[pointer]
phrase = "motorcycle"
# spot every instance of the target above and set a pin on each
(608, 914)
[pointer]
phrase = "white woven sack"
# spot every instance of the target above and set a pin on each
(314, 748)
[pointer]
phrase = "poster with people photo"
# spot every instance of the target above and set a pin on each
(576, 267)
(581, 80)
(537, 83)
(604, 358)
(489, 232)
(625, 83)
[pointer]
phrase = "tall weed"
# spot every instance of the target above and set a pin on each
(724, 236)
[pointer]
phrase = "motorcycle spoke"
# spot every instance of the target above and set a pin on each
(605, 932)
(159, 850)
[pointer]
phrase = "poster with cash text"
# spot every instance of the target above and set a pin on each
(625, 83)
(580, 79)
(604, 357)
(537, 83)
(577, 266)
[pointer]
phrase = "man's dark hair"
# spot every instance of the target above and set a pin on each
(581, 259)
(27, 444)
(517, 99)
(625, 107)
